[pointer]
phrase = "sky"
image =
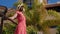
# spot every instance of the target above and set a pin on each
(9, 3)
(53, 1)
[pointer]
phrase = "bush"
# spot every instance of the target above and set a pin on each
(8, 28)
(58, 28)
(31, 30)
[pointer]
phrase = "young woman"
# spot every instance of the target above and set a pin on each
(21, 27)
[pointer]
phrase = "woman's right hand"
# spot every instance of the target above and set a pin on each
(11, 18)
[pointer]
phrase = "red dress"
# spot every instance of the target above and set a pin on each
(21, 27)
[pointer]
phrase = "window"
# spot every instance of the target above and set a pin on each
(53, 1)
(28, 2)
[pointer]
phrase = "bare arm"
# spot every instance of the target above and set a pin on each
(14, 16)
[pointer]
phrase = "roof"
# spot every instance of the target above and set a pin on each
(52, 5)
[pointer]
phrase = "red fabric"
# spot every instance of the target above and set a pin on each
(21, 27)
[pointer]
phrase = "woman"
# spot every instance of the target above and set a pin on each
(21, 27)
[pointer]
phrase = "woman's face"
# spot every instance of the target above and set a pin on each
(20, 8)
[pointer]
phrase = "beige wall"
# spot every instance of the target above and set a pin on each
(45, 1)
(42, 1)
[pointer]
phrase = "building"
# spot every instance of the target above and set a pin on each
(28, 2)
(49, 4)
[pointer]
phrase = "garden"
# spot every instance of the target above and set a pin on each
(37, 19)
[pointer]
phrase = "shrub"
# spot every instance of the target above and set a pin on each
(58, 28)
(31, 30)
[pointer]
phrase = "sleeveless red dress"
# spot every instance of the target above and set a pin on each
(21, 27)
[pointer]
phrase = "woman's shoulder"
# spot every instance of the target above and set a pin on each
(17, 11)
